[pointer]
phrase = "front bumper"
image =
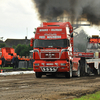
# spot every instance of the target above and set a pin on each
(50, 66)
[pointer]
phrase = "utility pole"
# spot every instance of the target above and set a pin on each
(27, 32)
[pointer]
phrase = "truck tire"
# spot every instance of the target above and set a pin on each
(69, 74)
(95, 71)
(38, 74)
(82, 67)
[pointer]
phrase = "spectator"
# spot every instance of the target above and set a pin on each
(94, 46)
(31, 61)
(15, 61)
(3, 61)
(0, 62)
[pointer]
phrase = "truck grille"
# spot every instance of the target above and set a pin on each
(50, 55)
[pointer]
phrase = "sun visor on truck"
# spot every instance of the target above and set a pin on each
(50, 33)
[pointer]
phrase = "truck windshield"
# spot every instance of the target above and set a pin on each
(92, 46)
(51, 43)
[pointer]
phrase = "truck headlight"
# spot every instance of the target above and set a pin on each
(36, 64)
(96, 55)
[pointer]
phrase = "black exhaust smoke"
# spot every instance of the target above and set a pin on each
(88, 9)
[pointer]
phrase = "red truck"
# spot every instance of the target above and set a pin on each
(7, 53)
(53, 50)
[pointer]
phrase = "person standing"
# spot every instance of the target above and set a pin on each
(31, 61)
(3, 61)
(15, 61)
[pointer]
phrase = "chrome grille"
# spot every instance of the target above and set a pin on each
(50, 55)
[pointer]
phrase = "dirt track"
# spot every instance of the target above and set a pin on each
(27, 87)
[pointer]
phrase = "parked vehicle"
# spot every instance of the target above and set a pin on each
(8, 53)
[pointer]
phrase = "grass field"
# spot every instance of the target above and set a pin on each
(95, 96)
(13, 68)
(6, 67)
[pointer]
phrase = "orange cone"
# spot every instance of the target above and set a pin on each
(1, 71)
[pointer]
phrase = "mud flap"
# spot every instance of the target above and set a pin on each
(76, 67)
(77, 72)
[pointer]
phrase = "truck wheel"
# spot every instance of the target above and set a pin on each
(82, 67)
(69, 74)
(38, 74)
(95, 71)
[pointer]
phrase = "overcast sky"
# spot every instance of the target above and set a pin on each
(18, 19)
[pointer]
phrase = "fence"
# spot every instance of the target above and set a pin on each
(25, 64)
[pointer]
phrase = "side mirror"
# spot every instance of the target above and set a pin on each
(31, 42)
(71, 35)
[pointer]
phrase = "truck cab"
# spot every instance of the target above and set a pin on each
(53, 49)
(93, 44)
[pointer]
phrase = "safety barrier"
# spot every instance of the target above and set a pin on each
(22, 64)
(25, 64)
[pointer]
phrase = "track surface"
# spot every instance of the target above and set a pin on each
(27, 87)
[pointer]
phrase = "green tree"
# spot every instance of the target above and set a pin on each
(14, 46)
(23, 50)
(2, 45)
(18, 49)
